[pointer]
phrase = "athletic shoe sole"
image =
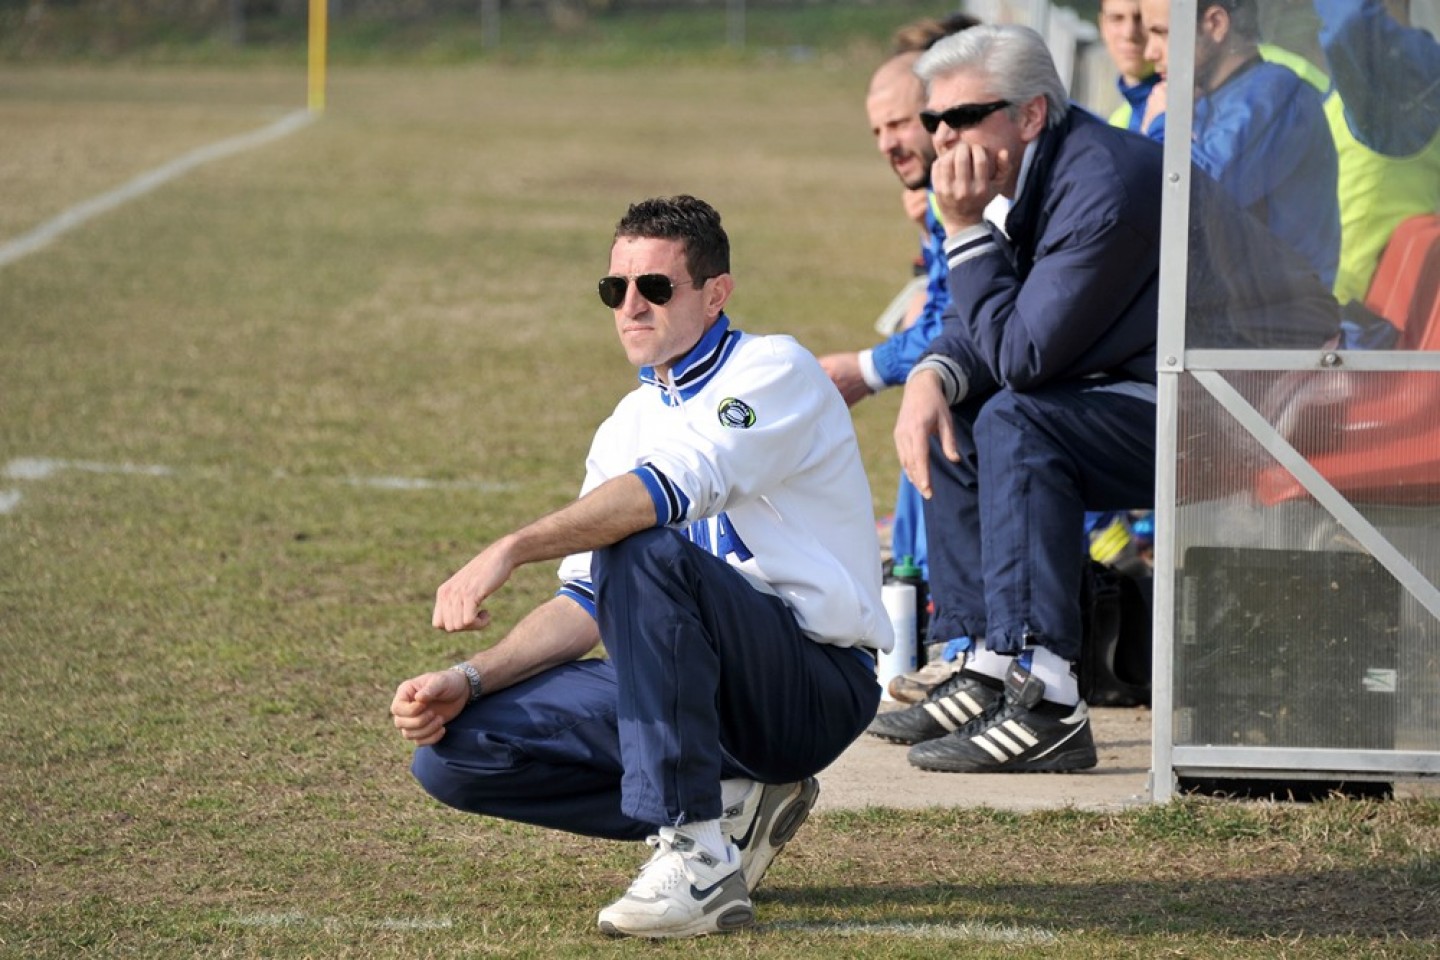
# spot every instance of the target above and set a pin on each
(731, 918)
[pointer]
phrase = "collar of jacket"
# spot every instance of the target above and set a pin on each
(1139, 93)
(694, 370)
(1024, 216)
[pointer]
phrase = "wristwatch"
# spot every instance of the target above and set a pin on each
(473, 675)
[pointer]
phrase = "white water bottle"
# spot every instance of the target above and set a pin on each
(899, 600)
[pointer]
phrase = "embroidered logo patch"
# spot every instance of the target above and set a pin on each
(736, 413)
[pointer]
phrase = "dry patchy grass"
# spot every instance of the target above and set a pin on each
(194, 754)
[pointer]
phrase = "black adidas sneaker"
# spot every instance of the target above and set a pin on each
(948, 707)
(1027, 734)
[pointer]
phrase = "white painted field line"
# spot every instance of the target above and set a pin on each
(27, 243)
(975, 932)
(420, 483)
(297, 919)
(981, 932)
(43, 468)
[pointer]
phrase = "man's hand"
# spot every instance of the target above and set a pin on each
(965, 179)
(844, 371)
(424, 704)
(923, 414)
(460, 601)
(916, 202)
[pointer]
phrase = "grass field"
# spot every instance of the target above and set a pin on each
(248, 423)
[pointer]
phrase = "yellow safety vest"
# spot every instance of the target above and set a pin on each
(1376, 192)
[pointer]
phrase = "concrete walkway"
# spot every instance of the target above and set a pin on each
(874, 772)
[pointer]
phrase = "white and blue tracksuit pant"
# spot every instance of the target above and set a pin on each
(707, 679)
(1006, 523)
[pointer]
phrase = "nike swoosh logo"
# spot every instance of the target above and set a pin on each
(699, 894)
(743, 843)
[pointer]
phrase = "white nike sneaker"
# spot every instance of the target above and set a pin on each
(765, 820)
(681, 892)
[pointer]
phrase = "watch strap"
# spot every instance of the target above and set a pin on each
(472, 675)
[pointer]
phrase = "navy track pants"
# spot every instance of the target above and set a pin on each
(1006, 524)
(707, 678)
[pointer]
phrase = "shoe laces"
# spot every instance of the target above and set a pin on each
(950, 684)
(670, 865)
(1006, 708)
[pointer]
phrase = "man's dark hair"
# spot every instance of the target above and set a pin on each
(693, 222)
(920, 35)
(1244, 17)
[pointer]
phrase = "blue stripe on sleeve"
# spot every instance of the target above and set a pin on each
(581, 591)
(670, 501)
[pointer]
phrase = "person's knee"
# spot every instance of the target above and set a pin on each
(1019, 433)
(1004, 414)
(656, 549)
(439, 778)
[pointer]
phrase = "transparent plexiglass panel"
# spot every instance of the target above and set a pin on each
(1318, 119)
(1299, 624)
(1290, 632)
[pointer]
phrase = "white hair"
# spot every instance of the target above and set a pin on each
(1013, 60)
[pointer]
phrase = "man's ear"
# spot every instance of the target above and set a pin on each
(1215, 23)
(1033, 114)
(717, 294)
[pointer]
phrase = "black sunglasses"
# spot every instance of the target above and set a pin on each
(655, 287)
(960, 117)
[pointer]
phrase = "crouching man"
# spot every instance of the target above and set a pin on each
(723, 550)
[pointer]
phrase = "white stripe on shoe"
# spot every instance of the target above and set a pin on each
(939, 714)
(954, 711)
(998, 742)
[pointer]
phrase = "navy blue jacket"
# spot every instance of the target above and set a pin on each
(1074, 292)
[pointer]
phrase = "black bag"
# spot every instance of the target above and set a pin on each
(1117, 604)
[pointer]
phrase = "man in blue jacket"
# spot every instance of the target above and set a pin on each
(892, 105)
(1123, 33)
(1384, 110)
(1037, 401)
(1387, 70)
(1259, 129)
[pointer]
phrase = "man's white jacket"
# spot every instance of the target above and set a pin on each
(747, 447)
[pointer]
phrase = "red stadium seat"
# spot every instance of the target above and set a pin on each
(1404, 287)
(1388, 447)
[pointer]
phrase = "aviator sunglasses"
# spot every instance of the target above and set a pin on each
(960, 117)
(655, 287)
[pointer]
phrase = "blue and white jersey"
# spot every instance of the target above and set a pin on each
(748, 447)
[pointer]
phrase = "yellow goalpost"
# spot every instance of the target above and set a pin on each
(319, 12)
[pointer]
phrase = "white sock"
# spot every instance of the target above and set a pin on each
(985, 661)
(1057, 674)
(709, 837)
